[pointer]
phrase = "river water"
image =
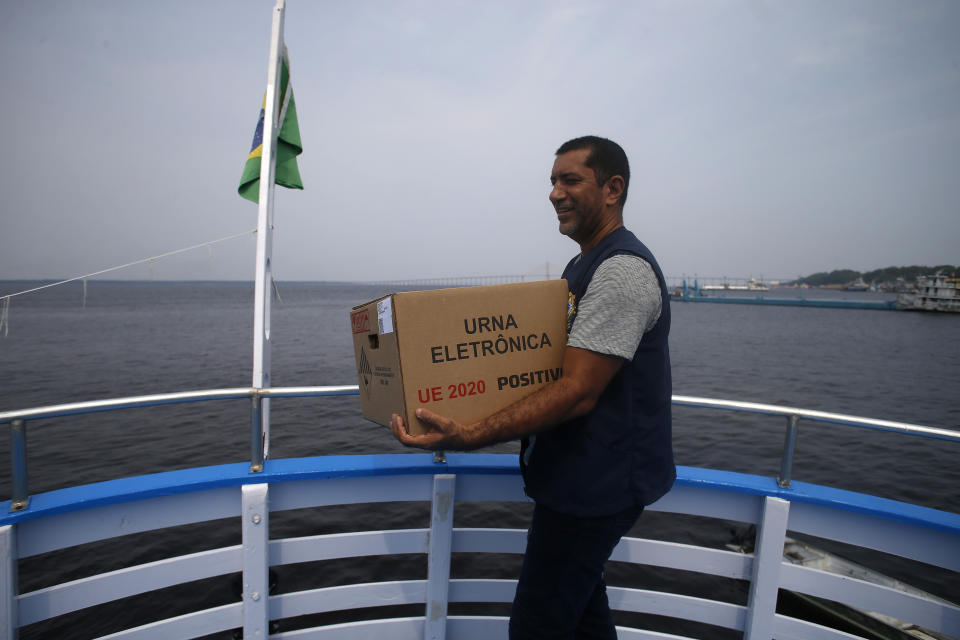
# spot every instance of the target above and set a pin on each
(131, 338)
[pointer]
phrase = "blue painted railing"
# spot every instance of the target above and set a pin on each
(107, 511)
(78, 515)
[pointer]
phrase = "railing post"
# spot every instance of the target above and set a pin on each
(8, 582)
(20, 497)
(256, 432)
(255, 527)
(789, 445)
(765, 580)
(438, 560)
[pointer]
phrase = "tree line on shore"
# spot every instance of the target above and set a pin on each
(885, 275)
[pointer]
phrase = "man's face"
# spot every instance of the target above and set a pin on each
(576, 196)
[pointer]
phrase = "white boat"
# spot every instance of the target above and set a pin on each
(866, 622)
(751, 284)
(933, 293)
(245, 497)
(858, 285)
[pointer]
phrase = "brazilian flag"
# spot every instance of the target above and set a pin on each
(288, 143)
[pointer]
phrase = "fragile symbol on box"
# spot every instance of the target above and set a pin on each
(365, 371)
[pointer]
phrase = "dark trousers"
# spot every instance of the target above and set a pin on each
(561, 592)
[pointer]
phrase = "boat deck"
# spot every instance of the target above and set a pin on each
(238, 496)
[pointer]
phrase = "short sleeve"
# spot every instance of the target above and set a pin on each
(621, 303)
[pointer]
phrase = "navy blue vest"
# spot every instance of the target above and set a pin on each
(621, 453)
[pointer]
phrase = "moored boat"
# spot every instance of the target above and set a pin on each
(858, 285)
(751, 284)
(933, 293)
(865, 623)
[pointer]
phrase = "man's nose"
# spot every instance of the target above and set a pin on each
(556, 194)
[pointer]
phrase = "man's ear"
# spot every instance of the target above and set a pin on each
(614, 188)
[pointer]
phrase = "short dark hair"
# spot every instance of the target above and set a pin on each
(606, 158)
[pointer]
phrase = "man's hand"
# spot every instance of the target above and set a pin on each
(444, 434)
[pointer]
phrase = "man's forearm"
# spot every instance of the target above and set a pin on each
(585, 376)
(548, 406)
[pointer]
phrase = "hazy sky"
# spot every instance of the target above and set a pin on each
(769, 139)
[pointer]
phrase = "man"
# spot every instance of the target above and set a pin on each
(596, 444)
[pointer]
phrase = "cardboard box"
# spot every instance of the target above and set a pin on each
(463, 353)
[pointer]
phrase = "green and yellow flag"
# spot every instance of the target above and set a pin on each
(288, 143)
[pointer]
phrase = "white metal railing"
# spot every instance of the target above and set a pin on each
(793, 416)
(71, 517)
(18, 421)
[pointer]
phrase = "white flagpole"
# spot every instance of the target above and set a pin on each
(264, 276)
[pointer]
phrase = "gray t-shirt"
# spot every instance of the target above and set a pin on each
(621, 303)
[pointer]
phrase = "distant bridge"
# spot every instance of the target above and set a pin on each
(462, 281)
(673, 282)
